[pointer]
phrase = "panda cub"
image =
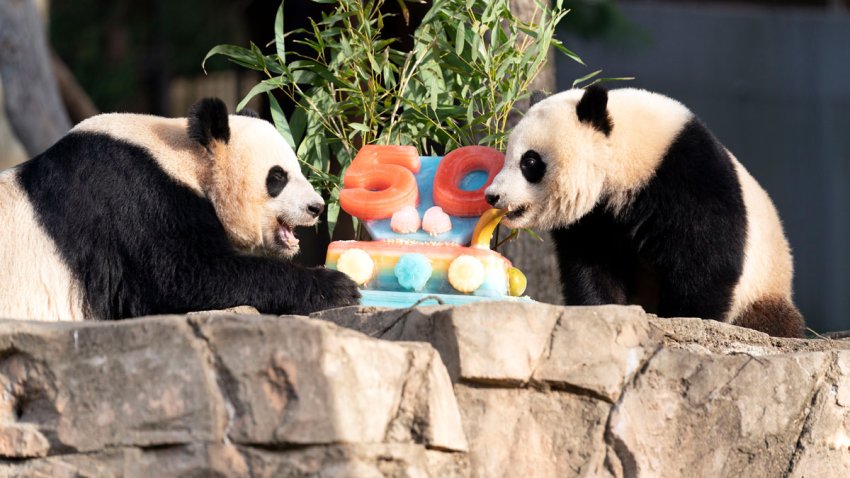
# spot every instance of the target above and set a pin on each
(647, 207)
(130, 215)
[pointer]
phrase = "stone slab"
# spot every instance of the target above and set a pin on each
(291, 381)
(88, 386)
(525, 432)
(711, 415)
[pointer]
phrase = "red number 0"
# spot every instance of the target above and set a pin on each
(453, 168)
(380, 181)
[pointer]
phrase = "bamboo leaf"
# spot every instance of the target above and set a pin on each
(279, 120)
(262, 87)
(566, 51)
(359, 127)
(405, 13)
(584, 78)
(279, 35)
(459, 39)
(533, 234)
(298, 124)
(237, 54)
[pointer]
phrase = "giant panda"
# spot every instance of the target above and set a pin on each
(130, 215)
(647, 207)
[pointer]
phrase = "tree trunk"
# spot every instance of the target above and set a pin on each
(11, 151)
(534, 258)
(33, 104)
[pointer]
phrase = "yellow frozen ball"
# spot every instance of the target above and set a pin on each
(357, 264)
(466, 273)
(516, 282)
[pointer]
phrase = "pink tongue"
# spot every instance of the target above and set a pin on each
(287, 236)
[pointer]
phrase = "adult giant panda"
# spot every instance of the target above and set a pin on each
(129, 215)
(646, 206)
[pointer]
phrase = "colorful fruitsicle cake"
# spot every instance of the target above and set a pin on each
(430, 225)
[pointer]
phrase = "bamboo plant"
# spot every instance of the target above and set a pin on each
(471, 62)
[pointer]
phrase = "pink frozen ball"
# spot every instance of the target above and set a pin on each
(435, 221)
(405, 220)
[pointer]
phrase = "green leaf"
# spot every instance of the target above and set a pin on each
(258, 56)
(600, 80)
(298, 124)
(279, 35)
(333, 215)
(459, 39)
(262, 87)
(584, 78)
(237, 54)
(405, 13)
(359, 127)
(566, 51)
(533, 234)
(279, 120)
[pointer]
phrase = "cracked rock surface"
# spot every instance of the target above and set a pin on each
(611, 391)
(483, 390)
(222, 394)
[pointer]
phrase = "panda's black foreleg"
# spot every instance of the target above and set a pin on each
(697, 274)
(295, 289)
(594, 261)
(270, 285)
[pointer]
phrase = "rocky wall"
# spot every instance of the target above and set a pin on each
(485, 390)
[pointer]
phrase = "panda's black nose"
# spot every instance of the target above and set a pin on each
(315, 209)
(492, 199)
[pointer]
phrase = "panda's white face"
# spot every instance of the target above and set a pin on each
(554, 170)
(258, 189)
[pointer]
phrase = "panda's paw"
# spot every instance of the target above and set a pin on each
(333, 289)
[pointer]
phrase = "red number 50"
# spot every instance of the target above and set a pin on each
(380, 181)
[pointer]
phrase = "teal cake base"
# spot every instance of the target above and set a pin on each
(403, 300)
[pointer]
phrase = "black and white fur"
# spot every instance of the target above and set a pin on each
(646, 206)
(130, 215)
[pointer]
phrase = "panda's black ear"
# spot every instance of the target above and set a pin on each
(593, 109)
(208, 121)
(248, 112)
(536, 97)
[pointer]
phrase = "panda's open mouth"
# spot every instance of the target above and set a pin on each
(285, 236)
(516, 213)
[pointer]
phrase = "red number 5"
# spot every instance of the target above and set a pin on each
(380, 181)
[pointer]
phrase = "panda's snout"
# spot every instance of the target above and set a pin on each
(316, 208)
(492, 199)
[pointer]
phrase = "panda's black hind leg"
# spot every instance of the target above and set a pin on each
(774, 316)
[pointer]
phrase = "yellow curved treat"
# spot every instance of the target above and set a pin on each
(485, 227)
(466, 273)
(357, 264)
(516, 282)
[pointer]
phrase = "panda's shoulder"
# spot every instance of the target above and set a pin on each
(134, 128)
(165, 140)
(640, 99)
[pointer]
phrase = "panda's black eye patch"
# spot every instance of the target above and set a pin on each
(276, 181)
(533, 168)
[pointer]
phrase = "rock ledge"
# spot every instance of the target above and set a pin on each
(484, 390)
